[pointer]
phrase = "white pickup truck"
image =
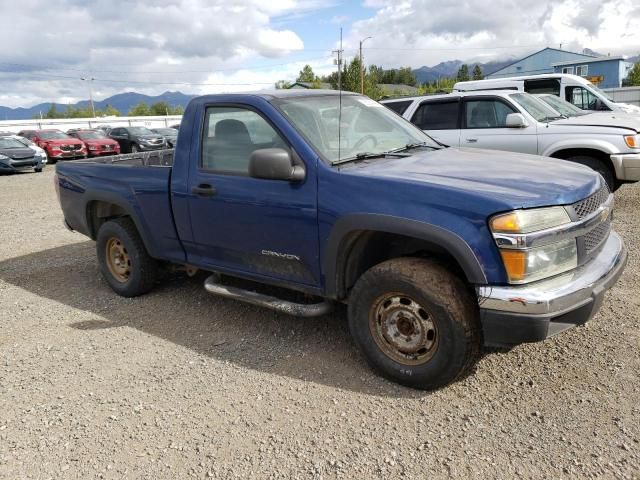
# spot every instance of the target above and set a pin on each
(519, 122)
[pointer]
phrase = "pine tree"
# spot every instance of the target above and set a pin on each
(463, 73)
(477, 73)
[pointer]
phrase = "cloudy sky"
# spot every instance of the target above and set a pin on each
(206, 46)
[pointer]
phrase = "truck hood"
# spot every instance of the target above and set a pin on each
(512, 179)
(603, 119)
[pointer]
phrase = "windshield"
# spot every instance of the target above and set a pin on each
(166, 131)
(600, 92)
(534, 107)
(25, 141)
(91, 135)
(140, 131)
(53, 135)
(565, 108)
(362, 127)
(8, 142)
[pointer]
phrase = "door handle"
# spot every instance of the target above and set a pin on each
(204, 190)
(472, 140)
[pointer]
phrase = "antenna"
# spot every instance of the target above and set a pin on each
(338, 62)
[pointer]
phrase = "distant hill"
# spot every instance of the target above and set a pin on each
(450, 69)
(123, 102)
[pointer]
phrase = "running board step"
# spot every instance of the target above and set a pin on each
(212, 285)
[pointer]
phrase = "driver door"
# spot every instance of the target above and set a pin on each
(243, 224)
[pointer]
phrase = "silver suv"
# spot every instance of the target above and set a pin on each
(519, 122)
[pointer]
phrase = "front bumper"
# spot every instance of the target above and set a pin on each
(627, 166)
(511, 315)
(145, 147)
(14, 166)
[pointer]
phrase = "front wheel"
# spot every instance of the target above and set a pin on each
(416, 323)
(134, 148)
(123, 258)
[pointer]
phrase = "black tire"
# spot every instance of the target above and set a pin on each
(37, 170)
(448, 314)
(141, 271)
(134, 148)
(600, 167)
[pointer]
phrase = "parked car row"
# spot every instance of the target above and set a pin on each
(513, 120)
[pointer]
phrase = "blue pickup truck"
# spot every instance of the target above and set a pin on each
(324, 197)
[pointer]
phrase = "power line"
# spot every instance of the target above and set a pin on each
(105, 80)
(92, 70)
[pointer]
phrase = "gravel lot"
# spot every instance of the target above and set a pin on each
(181, 384)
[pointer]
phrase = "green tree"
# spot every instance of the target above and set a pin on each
(463, 73)
(405, 76)
(159, 108)
(53, 112)
(177, 110)
(140, 110)
(477, 73)
(282, 84)
(633, 79)
(110, 111)
(306, 75)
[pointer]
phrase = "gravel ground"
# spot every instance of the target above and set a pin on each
(181, 384)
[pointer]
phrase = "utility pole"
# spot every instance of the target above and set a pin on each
(362, 66)
(338, 61)
(90, 80)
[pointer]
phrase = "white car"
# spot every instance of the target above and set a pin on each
(28, 143)
(573, 88)
(516, 121)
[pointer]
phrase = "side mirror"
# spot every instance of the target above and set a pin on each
(274, 164)
(515, 120)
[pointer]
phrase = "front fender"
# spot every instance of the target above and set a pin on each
(456, 246)
(603, 146)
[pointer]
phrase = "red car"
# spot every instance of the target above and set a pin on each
(57, 144)
(97, 142)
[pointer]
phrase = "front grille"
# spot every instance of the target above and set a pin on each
(595, 237)
(66, 148)
(586, 207)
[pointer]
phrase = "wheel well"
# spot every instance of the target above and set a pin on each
(587, 152)
(99, 212)
(363, 249)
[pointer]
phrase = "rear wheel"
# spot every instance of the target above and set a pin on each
(123, 258)
(416, 323)
(600, 167)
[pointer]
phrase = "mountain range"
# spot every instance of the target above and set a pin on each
(123, 102)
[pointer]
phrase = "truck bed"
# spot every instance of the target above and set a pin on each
(137, 182)
(154, 158)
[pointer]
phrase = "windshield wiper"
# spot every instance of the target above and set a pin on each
(367, 155)
(551, 119)
(411, 146)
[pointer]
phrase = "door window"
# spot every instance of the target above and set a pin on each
(581, 98)
(231, 135)
(437, 116)
(491, 113)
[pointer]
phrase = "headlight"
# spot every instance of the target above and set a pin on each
(632, 141)
(525, 264)
(527, 221)
(3, 157)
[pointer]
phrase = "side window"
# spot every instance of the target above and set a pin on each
(568, 70)
(582, 70)
(437, 116)
(116, 131)
(398, 107)
(581, 98)
(488, 113)
(547, 85)
(231, 135)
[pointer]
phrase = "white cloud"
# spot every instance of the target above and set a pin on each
(426, 32)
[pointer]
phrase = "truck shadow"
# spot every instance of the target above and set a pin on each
(180, 311)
